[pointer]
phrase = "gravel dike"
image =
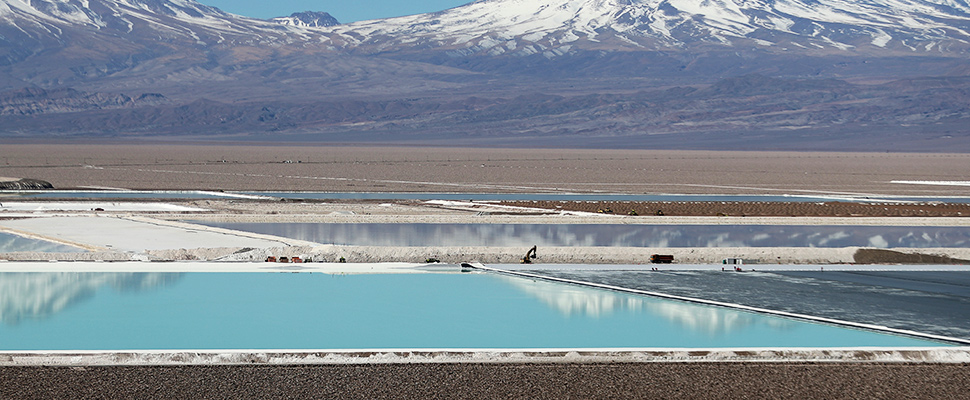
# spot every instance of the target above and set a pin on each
(704, 380)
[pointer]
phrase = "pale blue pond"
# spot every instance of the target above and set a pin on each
(13, 243)
(612, 235)
(121, 311)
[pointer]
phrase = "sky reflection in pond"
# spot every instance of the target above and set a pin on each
(321, 311)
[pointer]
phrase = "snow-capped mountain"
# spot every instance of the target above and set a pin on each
(742, 73)
(311, 19)
(57, 42)
(67, 21)
(525, 27)
(555, 27)
(103, 14)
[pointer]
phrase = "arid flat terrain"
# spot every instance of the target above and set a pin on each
(705, 380)
(423, 169)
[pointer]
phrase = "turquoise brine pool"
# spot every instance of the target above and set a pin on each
(132, 311)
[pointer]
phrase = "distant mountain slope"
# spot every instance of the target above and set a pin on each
(50, 43)
(770, 74)
(53, 42)
(167, 20)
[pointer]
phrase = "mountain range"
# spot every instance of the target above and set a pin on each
(741, 74)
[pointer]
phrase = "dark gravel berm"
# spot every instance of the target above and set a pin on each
(747, 380)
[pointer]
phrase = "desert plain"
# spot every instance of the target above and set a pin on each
(270, 167)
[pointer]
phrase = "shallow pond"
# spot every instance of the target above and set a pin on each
(611, 235)
(10, 243)
(118, 311)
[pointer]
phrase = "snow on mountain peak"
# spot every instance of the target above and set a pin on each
(81, 12)
(548, 26)
(170, 19)
(308, 19)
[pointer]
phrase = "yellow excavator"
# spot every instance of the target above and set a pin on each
(529, 256)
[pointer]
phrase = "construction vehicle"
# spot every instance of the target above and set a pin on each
(662, 258)
(529, 256)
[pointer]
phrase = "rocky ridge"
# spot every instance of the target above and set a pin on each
(309, 19)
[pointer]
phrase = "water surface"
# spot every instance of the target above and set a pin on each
(611, 235)
(113, 311)
(936, 302)
(10, 243)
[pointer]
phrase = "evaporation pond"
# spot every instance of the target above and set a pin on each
(610, 235)
(130, 311)
(10, 243)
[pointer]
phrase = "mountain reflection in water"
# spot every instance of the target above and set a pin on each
(39, 295)
(612, 235)
(571, 300)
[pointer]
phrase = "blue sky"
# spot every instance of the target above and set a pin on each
(343, 10)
